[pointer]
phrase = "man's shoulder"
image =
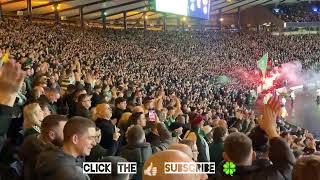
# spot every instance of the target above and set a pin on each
(56, 156)
(31, 141)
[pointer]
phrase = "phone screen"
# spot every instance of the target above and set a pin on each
(152, 116)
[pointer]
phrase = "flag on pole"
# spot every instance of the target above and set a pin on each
(263, 63)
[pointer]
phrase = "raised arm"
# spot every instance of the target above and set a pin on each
(280, 153)
(11, 79)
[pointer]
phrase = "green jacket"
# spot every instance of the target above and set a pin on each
(216, 152)
(169, 121)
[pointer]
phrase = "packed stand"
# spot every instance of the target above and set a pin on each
(299, 12)
(68, 96)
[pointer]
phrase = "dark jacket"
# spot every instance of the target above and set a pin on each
(31, 148)
(216, 151)
(262, 163)
(5, 117)
(82, 111)
(107, 130)
(137, 153)
(34, 130)
(117, 113)
(97, 152)
(281, 169)
(55, 164)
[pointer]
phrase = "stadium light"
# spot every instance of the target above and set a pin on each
(315, 9)
(55, 7)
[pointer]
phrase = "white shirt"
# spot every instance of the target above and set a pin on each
(283, 101)
(318, 92)
(292, 95)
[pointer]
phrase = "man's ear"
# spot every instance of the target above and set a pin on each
(75, 139)
(254, 155)
(225, 157)
(52, 135)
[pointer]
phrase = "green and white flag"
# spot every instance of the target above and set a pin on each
(263, 63)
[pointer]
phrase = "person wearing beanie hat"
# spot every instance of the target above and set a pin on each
(177, 130)
(260, 145)
(197, 135)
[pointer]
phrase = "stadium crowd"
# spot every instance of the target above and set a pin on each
(68, 96)
(301, 12)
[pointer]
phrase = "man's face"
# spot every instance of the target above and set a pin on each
(58, 131)
(86, 142)
(171, 112)
(98, 136)
(86, 102)
(29, 72)
(195, 152)
(123, 105)
(106, 111)
(139, 94)
(142, 121)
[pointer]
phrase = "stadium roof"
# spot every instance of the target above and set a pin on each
(232, 6)
(135, 9)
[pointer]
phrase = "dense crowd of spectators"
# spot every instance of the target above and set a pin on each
(69, 95)
(299, 12)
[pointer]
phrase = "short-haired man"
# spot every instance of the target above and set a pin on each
(216, 147)
(79, 138)
(51, 96)
(51, 136)
(137, 118)
(137, 150)
(238, 149)
(120, 107)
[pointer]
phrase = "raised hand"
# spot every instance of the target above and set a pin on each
(268, 120)
(116, 136)
(11, 79)
(77, 76)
